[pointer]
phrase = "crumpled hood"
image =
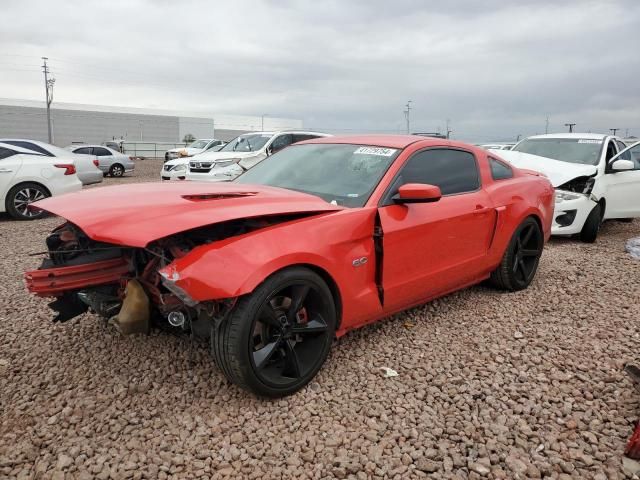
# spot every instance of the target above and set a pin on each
(189, 150)
(137, 214)
(213, 156)
(557, 171)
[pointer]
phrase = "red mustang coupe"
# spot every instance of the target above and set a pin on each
(321, 238)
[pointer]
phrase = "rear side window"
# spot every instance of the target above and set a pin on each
(301, 137)
(101, 152)
(500, 170)
(30, 146)
(85, 150)
(5, 153)
(454, 171)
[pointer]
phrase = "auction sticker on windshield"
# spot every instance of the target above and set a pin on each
(586, 140)
(382, 152)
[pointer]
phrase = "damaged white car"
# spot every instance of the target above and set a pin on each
(596, 177)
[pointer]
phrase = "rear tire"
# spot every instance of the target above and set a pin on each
(278, 337)
(20, 196)
(521, 258)
(116, 170)
(591, 226)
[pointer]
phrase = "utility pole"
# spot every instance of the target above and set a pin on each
(613, 131)
(448, 129)
(48, 88)
(407, 114)
(546, 126)
(626, 133)
(262, 121)
(570, 125)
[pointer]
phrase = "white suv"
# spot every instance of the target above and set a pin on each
(596, 177)
(242, 153)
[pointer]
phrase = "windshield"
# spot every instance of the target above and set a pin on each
(249, 142)
(341, 174)
(572, 150)
(199, 144)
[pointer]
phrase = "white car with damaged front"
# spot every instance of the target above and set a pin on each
(596, 177)
(242, 153)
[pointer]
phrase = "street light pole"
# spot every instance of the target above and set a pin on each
(48, 89)
(614, 131)
(262, 120)
(570, 125)
(407, 114)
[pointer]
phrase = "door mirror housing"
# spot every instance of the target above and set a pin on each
(621, 165)
(418, 193)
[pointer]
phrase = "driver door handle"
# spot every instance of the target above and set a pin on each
(5, 170)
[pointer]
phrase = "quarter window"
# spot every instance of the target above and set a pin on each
(83, 150)
(454, 171)
(5, 153)
(499, 170)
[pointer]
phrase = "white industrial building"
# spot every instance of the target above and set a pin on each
(73, 123)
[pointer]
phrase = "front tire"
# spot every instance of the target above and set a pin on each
(591, 226)
(521, 258)
(277, 337)
(20, 196)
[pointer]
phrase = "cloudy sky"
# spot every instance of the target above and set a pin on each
(495, 68)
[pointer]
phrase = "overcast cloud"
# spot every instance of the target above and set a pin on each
(495, 68)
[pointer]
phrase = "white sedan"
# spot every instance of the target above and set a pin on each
(174, 169)
(27, 176)
(596, 177)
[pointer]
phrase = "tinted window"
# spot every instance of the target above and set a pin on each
(499, 170)
(85, 150)
(101, 152)
(29, 145)
(611, 150)
(301, 137)
(621, 145)
(281, 141)
(5, 152)
(454, 171)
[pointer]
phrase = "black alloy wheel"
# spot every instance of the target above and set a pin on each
(520, 261)
(279, 336)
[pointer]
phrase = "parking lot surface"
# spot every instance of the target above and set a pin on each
(489, 385)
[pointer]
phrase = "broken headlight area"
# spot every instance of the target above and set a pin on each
(124, 284)
(566, 196)
(581, 185)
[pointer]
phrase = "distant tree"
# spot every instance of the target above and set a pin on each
(188, 138)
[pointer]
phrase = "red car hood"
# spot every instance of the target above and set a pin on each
(137, 214)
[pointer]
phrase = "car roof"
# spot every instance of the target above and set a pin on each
(390, 141)
(28, 151)
(277, 132)
(85, 145)
(585, 136)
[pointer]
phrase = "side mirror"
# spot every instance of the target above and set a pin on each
(418, 193)
(621, 165)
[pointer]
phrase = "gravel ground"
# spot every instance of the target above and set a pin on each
(490, 385)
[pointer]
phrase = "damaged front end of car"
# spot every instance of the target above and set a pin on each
(132, 287)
